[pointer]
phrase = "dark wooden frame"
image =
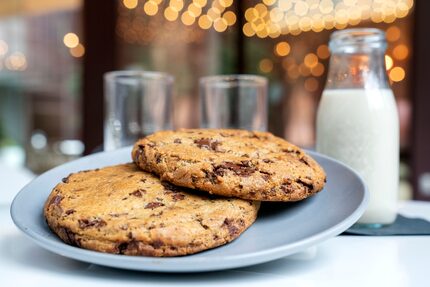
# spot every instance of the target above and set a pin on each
(420, 149)
(99, 18)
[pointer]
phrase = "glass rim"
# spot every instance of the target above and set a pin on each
(247, 78)
(357, 37)
(146, 75)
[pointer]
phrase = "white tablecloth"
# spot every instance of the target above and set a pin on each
(340, 261)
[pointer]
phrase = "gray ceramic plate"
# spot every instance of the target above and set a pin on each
(280, 230)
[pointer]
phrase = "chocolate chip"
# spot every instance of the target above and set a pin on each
(139, 154)
(286, 188)
(266, 160)
(211, 176)
(200, 221)
(157, 244)
(69, 211)
(153, 205)
(178, 196)
(265, 175)
(56, 200)
(168, 186)
(88, 223)
(65, 179)
(137, 193)
(291, 150)
(207, 144)
(232, 229)
(122, 247)
(305, 184)
(243, 169)
(177, 141)
(69, 237)
(158, 157)
(303, 160)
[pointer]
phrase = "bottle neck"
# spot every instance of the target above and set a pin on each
(359, 70)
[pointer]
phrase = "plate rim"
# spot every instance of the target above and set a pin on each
(156, 264)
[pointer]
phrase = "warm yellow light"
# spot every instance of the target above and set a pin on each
(213, 13)
(258, 25)
(326, 6)
(402, 10)
(263, 33)
(388, 62)
(130, 4)
(393, 34)
(16, 62)
(177, 4)
(305, 24)
(71, 40)
(301, 8)
(400, 52)
(225, 3)
(194, 10)
(150, 8)
(77, 51)
(269, 2)
(397, 74)
(204, 22)
(247, 30)
(323, 52)
(251, 14)
(261, 9)
(318, 70)
(282, 49)
(200, 3)
(285, 5)
(230, 17)
(311, 84)
(266, 65)
(220, 25)
(310, 60)
(276, 15)
(3, 48)
(170, 14)
(187, 18)
(349, 2)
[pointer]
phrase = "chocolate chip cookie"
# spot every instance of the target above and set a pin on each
(234, 163)
(123, 210)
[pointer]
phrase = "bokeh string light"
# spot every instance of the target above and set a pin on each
(275, 18)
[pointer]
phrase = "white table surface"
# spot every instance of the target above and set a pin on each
(340, 261)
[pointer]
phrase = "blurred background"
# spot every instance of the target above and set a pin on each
(53, 55)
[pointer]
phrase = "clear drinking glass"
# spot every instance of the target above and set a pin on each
(137, 103)
(233, 101)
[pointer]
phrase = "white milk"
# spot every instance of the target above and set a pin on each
(361, 128)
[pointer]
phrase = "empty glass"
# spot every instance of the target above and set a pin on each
(233, 101)
(137, 103)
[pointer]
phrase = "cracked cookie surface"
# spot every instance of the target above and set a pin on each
(123, 210)
(234, 163)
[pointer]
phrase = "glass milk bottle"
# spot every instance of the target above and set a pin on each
(357, 121)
